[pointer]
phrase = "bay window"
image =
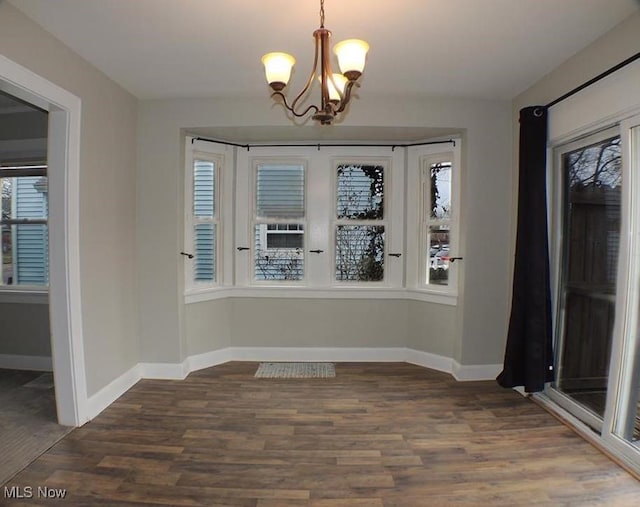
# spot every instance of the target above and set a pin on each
(339, 221)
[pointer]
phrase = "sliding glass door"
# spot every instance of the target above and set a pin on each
(623, 408)
(595, 230)
(591, 182)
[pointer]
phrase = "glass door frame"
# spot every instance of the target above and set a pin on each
(627, 306)
(558, 222)
(626, 337)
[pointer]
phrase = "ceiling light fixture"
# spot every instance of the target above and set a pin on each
(335, 88)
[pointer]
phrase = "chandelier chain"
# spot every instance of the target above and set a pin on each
(321, 13)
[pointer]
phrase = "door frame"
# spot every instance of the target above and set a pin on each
(627, 307)
(558, 224)
(65, 303)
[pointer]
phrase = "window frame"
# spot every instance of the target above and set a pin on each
(402, 196)
(427, 222)
(218, 159)
(25, 293)
(335, 222)
(419, 160)
(254, 220)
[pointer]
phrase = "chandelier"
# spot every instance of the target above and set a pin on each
(335, 88)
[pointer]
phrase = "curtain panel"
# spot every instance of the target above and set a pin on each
(528, 357)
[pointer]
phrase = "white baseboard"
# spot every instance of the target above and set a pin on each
(178, 371)
(111, 392)
(34, 363)
(208, 359)
(428, 360)
(303, 354)
(469, 372)
(164, 371)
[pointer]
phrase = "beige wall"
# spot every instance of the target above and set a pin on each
(472, 333)
(262, 322)
(107, 194)
(208, 326)
(612, 48)
(430, 328)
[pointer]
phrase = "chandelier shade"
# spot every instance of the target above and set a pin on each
(351, 55)
(277, 67)
(335, 88)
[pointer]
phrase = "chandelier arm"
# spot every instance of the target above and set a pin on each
(311, 76)
(291, 109)
(347, 96)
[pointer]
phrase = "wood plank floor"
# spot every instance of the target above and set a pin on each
(377, 435)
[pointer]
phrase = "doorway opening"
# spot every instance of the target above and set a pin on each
(64, 302)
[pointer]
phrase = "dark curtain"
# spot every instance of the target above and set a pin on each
(528, 357)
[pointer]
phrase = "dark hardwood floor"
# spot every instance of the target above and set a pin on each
(377, 435)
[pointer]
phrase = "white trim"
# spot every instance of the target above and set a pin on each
(178, 371)
(335, 354)
(614, 451)
(472, 372)
(429, 296)
(34, 363)
(112, 391)
(610, 100)
(32, 297)
(166, 371)
(208, 359)
(64, 251)
(416, 224)
(198, 296)
(431, 361)
(173, 371)
(217, 157)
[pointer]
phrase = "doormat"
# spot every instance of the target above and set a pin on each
(296, 370)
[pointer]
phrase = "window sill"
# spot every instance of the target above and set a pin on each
(24, 296)
(200, 295)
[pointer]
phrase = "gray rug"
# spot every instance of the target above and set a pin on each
(296, 370)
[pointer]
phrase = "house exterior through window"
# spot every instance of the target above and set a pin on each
(24, 224)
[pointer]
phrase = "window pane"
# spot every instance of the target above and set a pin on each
(25, 197)
(440, 187)
(280, 191)
(203, 188)
(438, 263)
(25, 254)
(590, 244)
(284, 240)
(279, 255)
(25, 247)
(204, 262)
(6, 196)
(360, 192)
(360, 253)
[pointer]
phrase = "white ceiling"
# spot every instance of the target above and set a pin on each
(491, 49)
